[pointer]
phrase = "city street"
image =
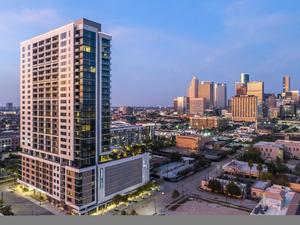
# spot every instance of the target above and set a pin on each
(187, 186)
(20, 205)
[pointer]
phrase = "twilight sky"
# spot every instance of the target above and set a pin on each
(159, 45)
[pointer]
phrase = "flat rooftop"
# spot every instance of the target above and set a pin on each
(269, 144)
(260, 185)
(241, 167)
(275, 193)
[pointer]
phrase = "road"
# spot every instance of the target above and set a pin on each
(189, 185)
(20, 205)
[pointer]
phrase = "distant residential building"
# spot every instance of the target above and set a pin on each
(256, 88)
(192, 142)
(206, 91)
(244, 108)
(288, 110)
(9, 141)
(277, 200)
(208, 122)
(175, 104)
(127, 134)
(126, 110)
(220, 96)
(9, 106)
(196, 106)
(291, 95)
(292, 148)
(193, 88)
(181, 104)
(286, 84)
(245, 78)
(270, 100)
(274, 113)
(270, 150)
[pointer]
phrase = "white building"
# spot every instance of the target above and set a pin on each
(65, 77)
(277, 200)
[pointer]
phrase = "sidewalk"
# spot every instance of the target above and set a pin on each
(46, 205)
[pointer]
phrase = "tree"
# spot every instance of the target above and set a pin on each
(175, 194)
(215, 185)
(272, 168)
(117, 199)
(252, 154)
(281, 180)
(250, 164)
(233, 190)
(6, 210)
(123, 213)
(259, 168)
(266, 176)
(297, 169)
(200, 163)
(175, 157)
(133, 213)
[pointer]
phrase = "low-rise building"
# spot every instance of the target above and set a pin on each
(9, 141)
(292, 148)
(192, 142)
(270, 150)
(224, 183)
(208, 122)
(241, 168)
(258, 188)
(277, 200)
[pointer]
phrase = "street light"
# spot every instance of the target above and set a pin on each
(155, 205)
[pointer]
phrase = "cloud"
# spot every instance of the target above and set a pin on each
(33, 17)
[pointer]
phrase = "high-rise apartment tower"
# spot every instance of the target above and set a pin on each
(65, 119)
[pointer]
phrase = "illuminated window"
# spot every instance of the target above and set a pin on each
(92, 69)
(86, 48)
(86, 128)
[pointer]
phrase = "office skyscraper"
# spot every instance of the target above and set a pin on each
(220, 96)
(206, 91)
(245, 78)
(65, 119)
(256, 88)
(193, 88)
(245, 108)
(286, 83)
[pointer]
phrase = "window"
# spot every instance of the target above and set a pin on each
(63, 35)
(86, 48)
(63, 43)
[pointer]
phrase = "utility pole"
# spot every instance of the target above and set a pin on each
(155, 206)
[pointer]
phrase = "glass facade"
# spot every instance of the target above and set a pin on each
(85, 96)
(105, 56)
(85, 99)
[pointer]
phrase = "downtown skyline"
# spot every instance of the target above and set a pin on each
(237, 36)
